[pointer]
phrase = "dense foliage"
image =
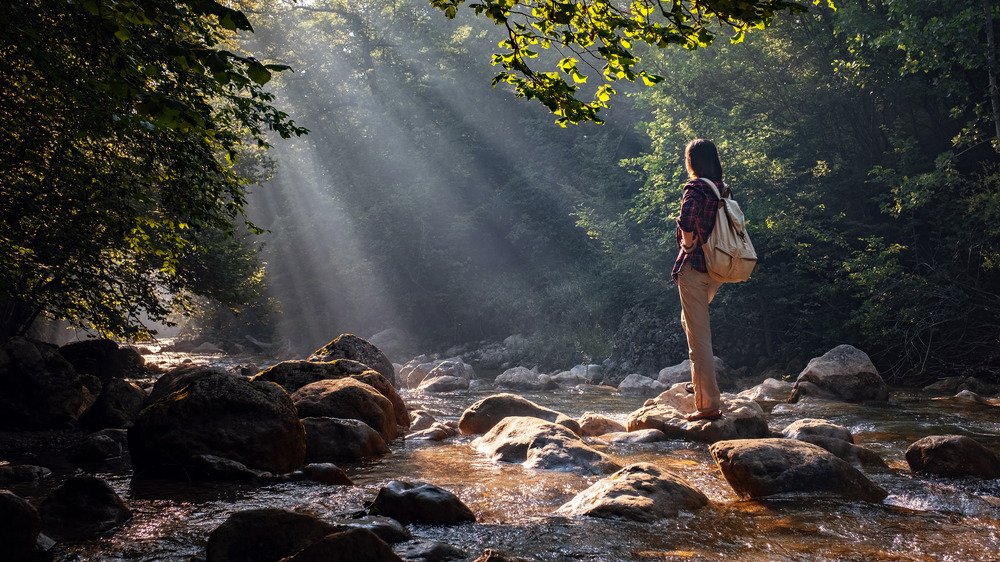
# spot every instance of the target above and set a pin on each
(120, 125)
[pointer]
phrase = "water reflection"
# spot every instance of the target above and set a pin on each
(924, 518)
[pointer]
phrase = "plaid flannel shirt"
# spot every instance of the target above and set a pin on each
(698, 209)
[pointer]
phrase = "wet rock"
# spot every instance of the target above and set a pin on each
(21, 526)
(117, 406)
(844, 373)
(351, 399)
(437, 432)
(326, 473)
(770, 389)
(82, 508)
(494, 555)
(953, 455)
(639, 492)
(18, 473)
(341, 439)
(293, 375)
(39, 389)
(742, 418)
(483, 415)
(421, 419)
(637, 437)
(101, 446)
(537, 443)
(759, 468)
(349, 346)
(265, 535)
(180, 377)
(971, 397)
(415, 370)
(213, 467)
(443, 384)
(523, 378)
(592, 424)
(432, 551)
(818, 427)
(103, 359)
(419, 502)
(219, 414)
(858, 456)
(387, 528)
(352, 545)
(638, 385)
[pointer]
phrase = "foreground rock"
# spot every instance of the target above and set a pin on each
(835, 439)
(265, 535)
(351, 399)
(419, 502)
(117, 406)
(21, 527)
(844, 373)
(638, 492)
(759, 468)
(82, 508)
(329, 439)
(742, 418)
(541, 444)
(39, 389)
(349, 346)
(483, 415)
(219, 414)
(352, 545)
(953, 455)
(293, 375)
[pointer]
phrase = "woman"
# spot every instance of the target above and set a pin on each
(698, 209)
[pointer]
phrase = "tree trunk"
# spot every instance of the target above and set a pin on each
(991, 66)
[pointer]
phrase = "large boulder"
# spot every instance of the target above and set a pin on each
(835, 439)
(742, 418)
(759, 468)
(639, 385)
(537, 443)
(954, 456)
(265, 535)
(117, 406)
(349, 346)
(329, 439)
(523, 378)
(638, 492)
(483, 415)
(351, 399)
(844, 373)
(352, 545)
(21, 526)
(82, 508)
(419, 502)
(254, 423)
(293, 375)
(39, 389)
(179, 378)
(103, 359)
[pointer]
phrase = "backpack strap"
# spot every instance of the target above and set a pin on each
(712, 185)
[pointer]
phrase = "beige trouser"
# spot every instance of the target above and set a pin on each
(697, 289)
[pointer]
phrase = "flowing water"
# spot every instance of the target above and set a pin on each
(924, 518)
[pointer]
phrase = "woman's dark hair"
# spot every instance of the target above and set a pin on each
(702, 160)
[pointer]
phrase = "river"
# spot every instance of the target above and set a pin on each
(924, 518)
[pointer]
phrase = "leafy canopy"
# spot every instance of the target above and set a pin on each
(601, 35)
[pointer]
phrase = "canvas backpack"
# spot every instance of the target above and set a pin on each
(729, 254)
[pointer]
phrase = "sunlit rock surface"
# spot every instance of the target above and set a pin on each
(265, 535)
(819, 427)
(349, 346)
(759, 468)
(681, 372)
(638, 492)
(348, 398)
(537, 443)
(592, 424)
(835, 439)
(770, 389)
(953, 455)
(742, 417)
(843, 373)
(293, 375)
(330, 439)
(220, 414)
(420, 502)
(38, 388)
(443, 384)
(20, 529)
(83, 507)
(523, 378)
(483, 415)
(639, 385)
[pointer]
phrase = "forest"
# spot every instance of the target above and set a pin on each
(303, 169)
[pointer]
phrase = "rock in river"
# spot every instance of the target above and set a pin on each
(351, 399)
(844, 373)
(953, 455)
(742, 417)
(638, 492)
(541, 444)
(483, 415)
